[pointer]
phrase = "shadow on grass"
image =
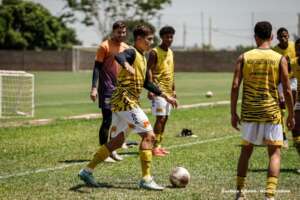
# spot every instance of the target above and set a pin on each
(122, 185)
(74, 161)
(284, 170)
(129, 153)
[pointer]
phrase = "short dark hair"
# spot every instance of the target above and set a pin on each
(142, 31)
(263, 30)
(118, 24)
(281, 29)
(166, 30)
(297, 41)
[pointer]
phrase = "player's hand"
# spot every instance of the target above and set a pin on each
(93, 94)
(129, 68)
(235, 121)
(150, 95)
(174, 94)
(290, 122)
(171, 100)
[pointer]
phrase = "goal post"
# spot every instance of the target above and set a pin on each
(16, 94)
(83, 57)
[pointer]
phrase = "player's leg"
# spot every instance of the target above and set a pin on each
(139, 123)
(274, 140)
(296, 130)
(105, 125)
(159, 128)
(242, 169)
(118, 128)
(273, 170)
(161, 109)
(146, 145)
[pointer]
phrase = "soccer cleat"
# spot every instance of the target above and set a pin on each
(157, 152)
(109, 160)
(88, 178)
(150, 185)
(114, 155)
(240, 196)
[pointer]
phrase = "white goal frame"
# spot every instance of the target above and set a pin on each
(12, 73)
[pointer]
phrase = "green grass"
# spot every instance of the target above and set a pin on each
(60, 94)
(212, 165)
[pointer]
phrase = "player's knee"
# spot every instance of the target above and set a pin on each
(162, 119)
(149, 137)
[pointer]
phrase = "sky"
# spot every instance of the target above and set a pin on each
(232, 21)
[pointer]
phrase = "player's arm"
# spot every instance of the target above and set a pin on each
(288, 96)
(151, 64)
(126, 59)
(95, 79)
(237, 79)
(154, 89)
(100, 55)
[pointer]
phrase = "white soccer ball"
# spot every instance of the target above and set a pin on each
(179, 177)
(209, 94)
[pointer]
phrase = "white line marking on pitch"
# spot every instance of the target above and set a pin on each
(74, 164)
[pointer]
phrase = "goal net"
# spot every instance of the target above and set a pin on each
(83, 57)
(16, 94)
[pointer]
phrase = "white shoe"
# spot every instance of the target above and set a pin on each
(114, 155)
(109, 160)
(124, 146)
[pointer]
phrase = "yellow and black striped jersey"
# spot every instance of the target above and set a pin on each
(260, 102)
(163, 72)
(129, 86)
(296, 69)
(289, 53)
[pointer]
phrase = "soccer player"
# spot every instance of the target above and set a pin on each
(127, 115)
(105, 73)
(260, 70)
(161, 64)
(295, 64)
(287, 49)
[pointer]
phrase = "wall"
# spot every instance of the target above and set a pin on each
(202, 61)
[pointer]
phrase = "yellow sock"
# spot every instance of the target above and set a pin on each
(146, 159)
(99, 156)
(157, 140)
(240, 182)
(271, 186)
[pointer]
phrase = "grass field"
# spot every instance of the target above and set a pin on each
(42, 162)
(60, 94)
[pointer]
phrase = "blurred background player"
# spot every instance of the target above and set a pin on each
(127, 114)
(261, 70)
(161, 64)
(287, 49)
(105, 73)
(295, 64)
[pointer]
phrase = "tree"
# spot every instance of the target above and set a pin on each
(27, 25)
(101, 13)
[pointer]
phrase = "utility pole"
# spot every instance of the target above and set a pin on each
(158, 21)
(298, 24)
(252, 26)
(202, 29)
(184, 36)
(210, 32)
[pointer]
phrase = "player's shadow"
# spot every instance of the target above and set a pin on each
(121, 185)
(74, 161)
(129, 153)
(284, 170)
